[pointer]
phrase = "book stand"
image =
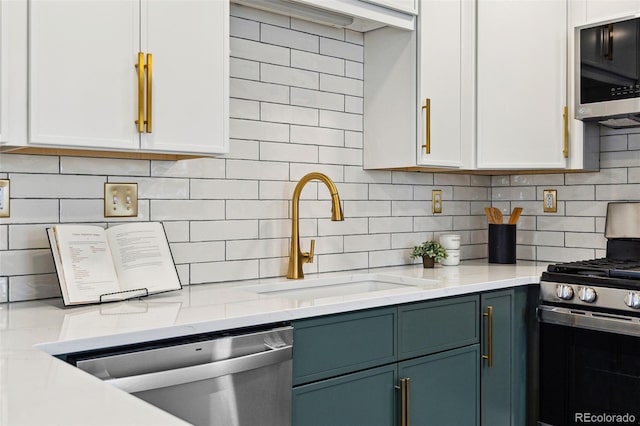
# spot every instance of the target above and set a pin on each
(120, 295)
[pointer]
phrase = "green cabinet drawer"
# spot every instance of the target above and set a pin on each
(366, 398)
(438, 325)
(339, 344)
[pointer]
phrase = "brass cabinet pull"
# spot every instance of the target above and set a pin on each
(565, 116)
(404, 402)
(149, 68)
(427, 130)
(140, 70)
(489, 316)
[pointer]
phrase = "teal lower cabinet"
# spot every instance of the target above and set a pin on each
(366, 398)
(503, 375)
(465, 359)
(443, 388)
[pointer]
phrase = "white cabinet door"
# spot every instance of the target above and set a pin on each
(439, 80)
(189, 43)
(598, 10)
(82, 85)
(521, 84)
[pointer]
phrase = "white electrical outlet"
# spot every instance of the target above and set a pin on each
(436, 201)
(4, 198)
(549, 199)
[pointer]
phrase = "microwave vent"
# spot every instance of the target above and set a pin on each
(622, 122)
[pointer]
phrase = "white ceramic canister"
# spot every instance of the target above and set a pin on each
(453, 258)
(450, 241)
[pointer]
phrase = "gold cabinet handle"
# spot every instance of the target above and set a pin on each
(427, 130)
(489, 316)
(140, 69)
(405, 398)
(565, 116)
(149, 68)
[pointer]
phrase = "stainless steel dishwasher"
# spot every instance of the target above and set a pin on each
(221, 380)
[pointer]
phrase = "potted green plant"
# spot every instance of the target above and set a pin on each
(430, 251)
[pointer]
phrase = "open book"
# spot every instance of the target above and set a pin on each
(124, 261)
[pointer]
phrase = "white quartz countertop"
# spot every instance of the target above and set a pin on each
(38, 389)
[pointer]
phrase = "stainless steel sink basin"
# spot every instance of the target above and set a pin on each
(333, 287)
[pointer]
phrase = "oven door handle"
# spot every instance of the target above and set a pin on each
(589, 320)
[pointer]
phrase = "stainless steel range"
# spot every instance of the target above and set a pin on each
(589, 316)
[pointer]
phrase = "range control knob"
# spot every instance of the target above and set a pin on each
(632, 300)
(587, 294)
(564, 292)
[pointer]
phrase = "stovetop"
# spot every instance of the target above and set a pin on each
(607, 269)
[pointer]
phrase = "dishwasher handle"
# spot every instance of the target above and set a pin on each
(179, 376)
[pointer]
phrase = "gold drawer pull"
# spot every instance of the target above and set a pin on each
(489, 316)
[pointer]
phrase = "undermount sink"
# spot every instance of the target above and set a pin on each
(332, 287)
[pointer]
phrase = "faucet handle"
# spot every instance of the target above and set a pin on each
(308, 257)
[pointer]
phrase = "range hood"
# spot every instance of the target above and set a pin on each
(356, 15)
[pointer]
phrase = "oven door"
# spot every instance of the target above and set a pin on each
(589, 368)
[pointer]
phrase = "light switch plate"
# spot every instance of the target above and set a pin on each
(120, 199)
(4, 198)
(436, 201)
(549, 200)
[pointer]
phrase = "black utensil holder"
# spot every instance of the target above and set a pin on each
(502, 243)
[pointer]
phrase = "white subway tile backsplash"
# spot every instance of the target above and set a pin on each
(195, 168)
(29, 287)
(341, 120)
(256, 51)
(586, 240)
(186, 210)
(576, 192)
(617, 192)
(317, 136)
(604, 176)
(215, 272)
(249, 129)
(33, 211)
(257, 249)
(23, 237)
(348, 191)
(367, 208)
(289, 114)
(562, 254)
(470, 193)
(4, 237)
(288, 152)
(221, 230)
(346, 156)
(281, 190)
(367, 242)
(354, 70)
(289, 38)
(390, 192)
(378, 259)
(298, 170)
(586, 208)
(24, 262)
(613, 143)
(432, 223)
(568, 224)
(409, 239)
(540, 238)
(289, 76)
(258, 91)
(354, 104)
(316, 99)
(259, 170)
(17, 163)
(241, 108)
(104, 166)
(177, 232)
(342, 261)
(262, 209)
(56, 186)
(341, 49)
(617, 159)
(354, 37)
(344, 85)
(315, 62)
(240, 149)
(281, 228)
(379, 225)
(195, 252)
(411, 208)
(411, 178)
(241, 11)
(4, 289)
(349, 226)
(450, 179)
(515, 193)
(78, 211)
(154, 188)
(633, 140)
(244, 28)
(218, 189)
(547, 180)
(469, 222)
(243, 68)
(353, 139)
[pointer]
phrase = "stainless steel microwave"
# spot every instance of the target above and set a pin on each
(608, 72)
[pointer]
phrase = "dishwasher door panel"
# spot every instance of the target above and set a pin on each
(253, 397)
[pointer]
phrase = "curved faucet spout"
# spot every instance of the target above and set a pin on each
(296, 257)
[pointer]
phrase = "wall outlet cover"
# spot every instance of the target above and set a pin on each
(436, 201)
(4, 198)
(120, 199)
(549, 199)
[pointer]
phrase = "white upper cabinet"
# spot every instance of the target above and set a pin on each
(4, 83)
(521, 84)
(409, 6)
(445, 51)
(84, 87)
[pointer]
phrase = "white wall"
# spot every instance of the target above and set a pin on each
(296, 107)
